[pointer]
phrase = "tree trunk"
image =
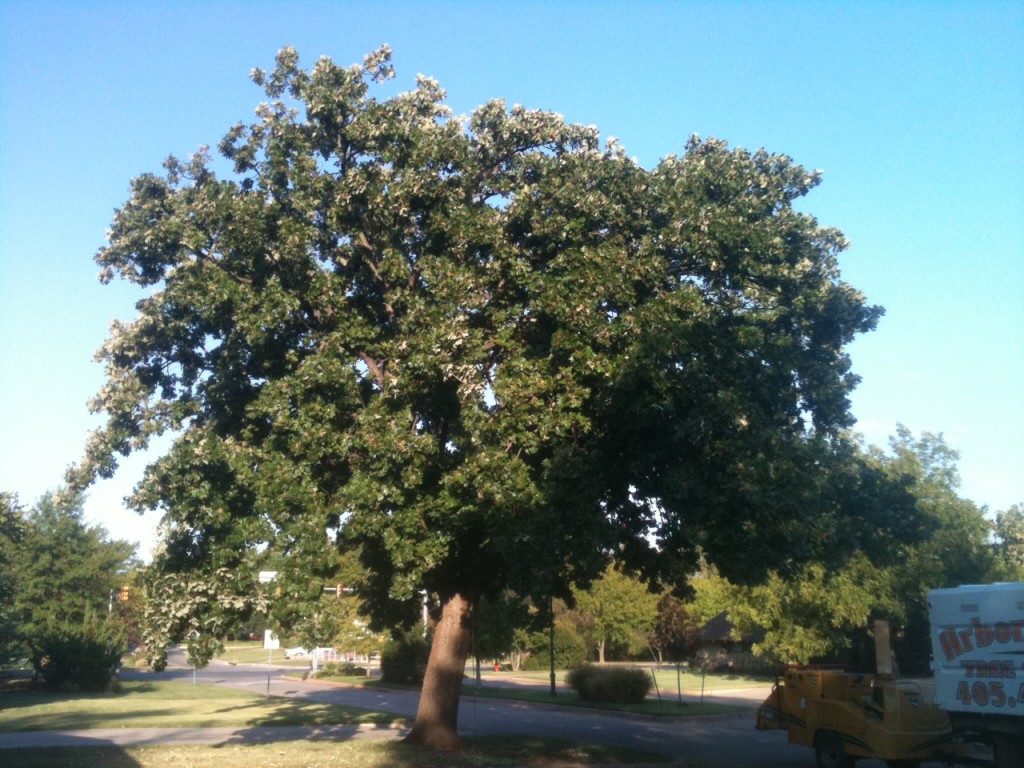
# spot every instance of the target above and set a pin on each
(600, 651)
(437, 717)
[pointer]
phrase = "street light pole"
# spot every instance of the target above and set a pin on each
(551, 610)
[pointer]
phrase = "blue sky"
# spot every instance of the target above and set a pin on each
(914, 110)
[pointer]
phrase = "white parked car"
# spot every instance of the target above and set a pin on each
(295, 653)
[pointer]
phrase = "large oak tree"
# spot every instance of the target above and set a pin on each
(486, 351)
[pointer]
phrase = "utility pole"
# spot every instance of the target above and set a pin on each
(551, 610)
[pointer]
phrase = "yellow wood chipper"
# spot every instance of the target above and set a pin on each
(845, 716)
(971, 712)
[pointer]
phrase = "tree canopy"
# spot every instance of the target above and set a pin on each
(486, 351)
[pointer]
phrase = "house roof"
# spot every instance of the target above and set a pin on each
(720, 630)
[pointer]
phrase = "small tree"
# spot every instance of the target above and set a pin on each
(11, 525)
(676, 634)
(617, 608)
(1009, 531)
(813, 614)
(69, 574)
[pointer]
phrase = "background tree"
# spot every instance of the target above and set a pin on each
(815, 613)
(570, 647)
(11, 524)
(938, 540)
(349, 614)
(956, 550)
(486, 351)
(68, 577)
(710, 593)
(496, 624)
(1009, 531)
(675, 634)
(618, 609)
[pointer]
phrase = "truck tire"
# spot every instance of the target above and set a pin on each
(829, 751)
(903, 763)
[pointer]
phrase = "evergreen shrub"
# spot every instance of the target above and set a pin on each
(404, 660)
(84, 658)
(341, 669)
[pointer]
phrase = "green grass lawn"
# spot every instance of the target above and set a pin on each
(176, 704)
(166, 704)
(245, 652)
(497, 752)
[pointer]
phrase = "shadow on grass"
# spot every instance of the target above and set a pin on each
(277, 712)
(170, 705)
(89, 754)
(376, 749)
(517, 751)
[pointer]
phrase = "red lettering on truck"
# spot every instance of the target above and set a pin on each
(955, 642)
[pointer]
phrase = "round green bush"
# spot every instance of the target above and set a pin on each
(404, 660)
(615, 685)
(78, 658)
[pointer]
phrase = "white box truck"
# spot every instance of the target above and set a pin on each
(978, 658)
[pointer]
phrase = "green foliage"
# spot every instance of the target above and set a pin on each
(404, 659)
(899, 552)
(616, 609)
(67, 573)
(340, 669)
(711, 593)
(85, 657)
(66, 569)
(462, 334)
(617, 685)
(11, 524)
(570, 648)
(496, 622)
(1009, 531)
(812, 614)
(956, 548)
(484, 352)
(676, 633)
(201, 610)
